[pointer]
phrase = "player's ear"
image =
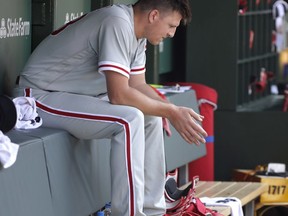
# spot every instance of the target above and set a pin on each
(153, 15)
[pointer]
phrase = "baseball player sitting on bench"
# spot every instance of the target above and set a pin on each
(88, 78)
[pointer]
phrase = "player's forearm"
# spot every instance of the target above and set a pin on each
(150, 92)
(148, 105)
(136, 93)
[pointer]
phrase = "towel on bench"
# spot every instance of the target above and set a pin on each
(8, 151)
(27, 116)
(233, 202)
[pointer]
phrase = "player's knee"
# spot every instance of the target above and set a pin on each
(136, 115)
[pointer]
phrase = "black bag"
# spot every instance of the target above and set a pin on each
(8, 114)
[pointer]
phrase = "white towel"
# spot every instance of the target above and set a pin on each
(233, 202)
(8, 151)
(27, 116)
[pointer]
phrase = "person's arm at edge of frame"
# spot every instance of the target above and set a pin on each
(135, 92)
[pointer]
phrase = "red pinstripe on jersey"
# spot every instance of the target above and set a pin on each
(137, 70)
(114, 66)
(133, 70)
(111, 119)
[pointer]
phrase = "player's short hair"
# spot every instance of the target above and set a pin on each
(181, 6)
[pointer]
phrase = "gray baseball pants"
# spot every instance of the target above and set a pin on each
(137, 148)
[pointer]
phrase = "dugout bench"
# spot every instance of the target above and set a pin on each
(56, 174)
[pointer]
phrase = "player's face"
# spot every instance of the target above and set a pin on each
(162, 26)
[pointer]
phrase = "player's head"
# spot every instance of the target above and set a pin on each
(161, 18)
(164, 6)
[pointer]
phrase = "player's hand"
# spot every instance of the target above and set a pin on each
(186, 122)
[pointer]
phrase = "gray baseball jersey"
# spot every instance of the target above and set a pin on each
(72, 58)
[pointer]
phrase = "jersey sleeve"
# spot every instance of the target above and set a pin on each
(138, 65)
(115, 42)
